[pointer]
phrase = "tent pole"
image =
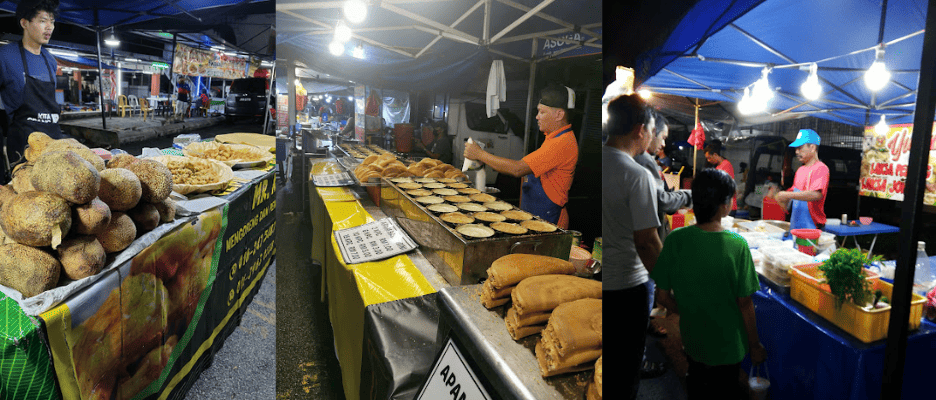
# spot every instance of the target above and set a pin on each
(695, 149)
(895, 351)
(100, 77)
(529, 107)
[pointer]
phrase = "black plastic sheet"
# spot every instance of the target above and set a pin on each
(400, 345)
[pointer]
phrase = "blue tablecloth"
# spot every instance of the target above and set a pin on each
(809, 358)
(871, 229)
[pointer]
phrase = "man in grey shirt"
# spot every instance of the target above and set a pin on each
(629, 228)
(668, 200)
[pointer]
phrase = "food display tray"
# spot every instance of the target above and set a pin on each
(459, 259)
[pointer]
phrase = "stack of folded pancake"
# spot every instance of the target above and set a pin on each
(507, 271)
(572, 340)
(535, 299)
(594, 387)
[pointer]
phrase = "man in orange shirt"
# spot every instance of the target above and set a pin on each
(547, 171)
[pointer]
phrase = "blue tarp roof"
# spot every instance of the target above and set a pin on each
(719, 48)
(449, 64)
(123, 12)
(84, 61)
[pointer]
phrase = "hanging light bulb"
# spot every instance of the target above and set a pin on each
(644, 93)
(358, 51)
(355, 11)
(811, 88)
(342, 32)
(112, 41)
(744, 106)
(881, 128)
(336, 48)
(761, 93)
(877, 76)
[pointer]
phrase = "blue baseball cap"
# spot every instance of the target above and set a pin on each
(805, 136)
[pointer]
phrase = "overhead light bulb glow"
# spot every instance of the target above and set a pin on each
(761, 91)
(811, 89)
(336, 48)
(644, 93)
(355, 11)
(358, 52)
(350, 98)
(112, 41)
(881, 128)
(342, 32)
(745, 106)
(877, 76)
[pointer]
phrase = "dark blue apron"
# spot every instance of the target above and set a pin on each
(534, 199)
(38, 112)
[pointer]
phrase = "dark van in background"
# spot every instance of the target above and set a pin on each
(246, 98)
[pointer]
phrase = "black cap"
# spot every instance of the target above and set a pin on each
(555, 96)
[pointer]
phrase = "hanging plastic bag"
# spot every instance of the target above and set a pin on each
(758, 385)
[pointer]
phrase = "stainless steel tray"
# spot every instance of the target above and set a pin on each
(462, 260)
(510, 366)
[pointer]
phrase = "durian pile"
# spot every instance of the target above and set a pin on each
(65, 210)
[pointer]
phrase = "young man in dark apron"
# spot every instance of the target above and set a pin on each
(27, 79)
(548, 171)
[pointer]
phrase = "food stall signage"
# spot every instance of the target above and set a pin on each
(157, 64)
(452, 378)
(884, 164)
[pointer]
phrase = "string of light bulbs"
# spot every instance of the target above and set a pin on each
(355, 11)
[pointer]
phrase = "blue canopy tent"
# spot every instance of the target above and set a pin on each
(717, 51)
(720, 48)
(101, 15)
(437, 45)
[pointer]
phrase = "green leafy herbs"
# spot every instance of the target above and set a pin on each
(843, 274)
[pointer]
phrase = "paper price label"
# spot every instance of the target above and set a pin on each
(373, 241)
(341, 179)
(452, 378)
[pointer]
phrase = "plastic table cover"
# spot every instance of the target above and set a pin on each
(807, 355)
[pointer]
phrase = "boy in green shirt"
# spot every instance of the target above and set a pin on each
(711, 275)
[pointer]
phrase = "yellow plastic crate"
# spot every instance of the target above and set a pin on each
(867, 326)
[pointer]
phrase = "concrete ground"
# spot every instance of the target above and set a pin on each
(306, 366)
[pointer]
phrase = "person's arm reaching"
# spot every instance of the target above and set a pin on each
(648, 244)
(758, 352)
(515, 168)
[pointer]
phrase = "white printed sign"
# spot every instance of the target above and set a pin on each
(342, 179)
(452, 378)
(373, 241)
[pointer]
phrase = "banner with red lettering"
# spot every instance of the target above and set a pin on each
(884, 164)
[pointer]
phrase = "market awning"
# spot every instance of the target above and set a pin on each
(108, 13)
(720, 48)
(437, 45)
(80, 62)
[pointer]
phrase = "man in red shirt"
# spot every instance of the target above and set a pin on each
(713, 156)
(810, 184)
(547, 171)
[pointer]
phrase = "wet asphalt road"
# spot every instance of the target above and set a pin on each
(306, 367)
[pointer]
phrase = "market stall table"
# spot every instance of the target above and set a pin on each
(393, 300)
(809, 356)
(874, 228)
(351, 288)
(218, 256)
